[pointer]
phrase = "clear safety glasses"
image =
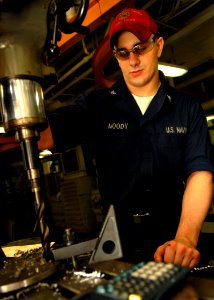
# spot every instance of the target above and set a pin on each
(138, 49)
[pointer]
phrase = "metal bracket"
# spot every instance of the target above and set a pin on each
(106, 247)
(108, 244)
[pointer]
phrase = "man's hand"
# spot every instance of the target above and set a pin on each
(196, 202)
(178, 252)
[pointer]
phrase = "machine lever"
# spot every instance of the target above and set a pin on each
(76, 25)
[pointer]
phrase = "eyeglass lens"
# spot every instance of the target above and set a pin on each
(139, 49)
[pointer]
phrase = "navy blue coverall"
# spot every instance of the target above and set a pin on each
(142, 161)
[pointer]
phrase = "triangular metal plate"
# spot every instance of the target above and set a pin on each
(108, 245)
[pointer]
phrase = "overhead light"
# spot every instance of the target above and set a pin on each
(210, 117)
(171, 70)
(2, 129)
(44, 153)
(210, 121)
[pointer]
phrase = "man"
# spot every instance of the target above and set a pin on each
(151, 146)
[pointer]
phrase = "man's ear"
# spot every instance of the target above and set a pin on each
(160, 44)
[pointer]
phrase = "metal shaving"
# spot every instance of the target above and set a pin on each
(28, 267)
(94, 274)
(27, 264)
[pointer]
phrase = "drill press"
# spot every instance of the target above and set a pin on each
(24, 31)
(28, 39)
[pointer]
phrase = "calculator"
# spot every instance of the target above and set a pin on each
(143, 281)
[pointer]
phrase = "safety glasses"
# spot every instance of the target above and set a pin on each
(138, 49)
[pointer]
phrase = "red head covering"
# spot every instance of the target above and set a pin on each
(137, 21)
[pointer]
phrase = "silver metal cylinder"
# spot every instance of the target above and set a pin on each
(22, 104)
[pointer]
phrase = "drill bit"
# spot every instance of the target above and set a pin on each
(40, 217)
(28, 140)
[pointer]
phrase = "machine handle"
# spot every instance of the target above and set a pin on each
(76, 25)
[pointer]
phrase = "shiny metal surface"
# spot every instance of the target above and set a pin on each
(8, 284)
(25, 270)
(22, 103)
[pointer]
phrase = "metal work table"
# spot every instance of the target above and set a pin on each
(59, 281)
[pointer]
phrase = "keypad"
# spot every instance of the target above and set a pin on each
(144, 281)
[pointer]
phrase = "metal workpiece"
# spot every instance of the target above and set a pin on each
(106, 246)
